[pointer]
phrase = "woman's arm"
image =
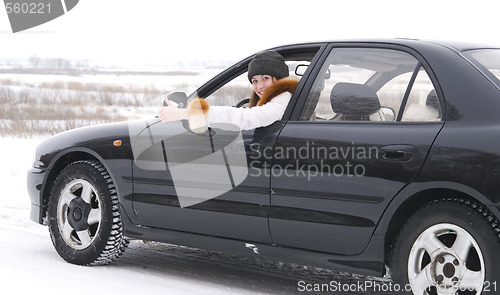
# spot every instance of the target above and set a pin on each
(244, 118)
(251, 118)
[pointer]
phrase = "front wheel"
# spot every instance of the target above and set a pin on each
(448, 247)
(84, 218)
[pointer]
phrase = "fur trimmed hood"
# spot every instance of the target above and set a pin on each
(287, 84)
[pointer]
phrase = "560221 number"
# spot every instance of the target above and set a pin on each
(27, 8)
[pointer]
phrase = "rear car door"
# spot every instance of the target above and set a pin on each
(361, 134)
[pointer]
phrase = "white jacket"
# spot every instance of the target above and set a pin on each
(250, 118)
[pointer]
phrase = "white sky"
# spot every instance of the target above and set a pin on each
(156, 30)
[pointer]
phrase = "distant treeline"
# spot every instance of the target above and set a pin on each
(92, 71)
(61, 66)
(37, 62)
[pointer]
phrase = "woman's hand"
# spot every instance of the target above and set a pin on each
(172, 113)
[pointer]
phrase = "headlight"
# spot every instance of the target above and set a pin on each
(36, 160)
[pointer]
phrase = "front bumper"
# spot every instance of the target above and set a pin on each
(34, 186)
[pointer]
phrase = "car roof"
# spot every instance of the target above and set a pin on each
(414, 43)
(456, 45)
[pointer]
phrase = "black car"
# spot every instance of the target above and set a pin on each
(386, 160)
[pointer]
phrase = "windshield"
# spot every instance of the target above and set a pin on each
(488, 61)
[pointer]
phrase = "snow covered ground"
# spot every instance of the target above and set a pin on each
(30, 265)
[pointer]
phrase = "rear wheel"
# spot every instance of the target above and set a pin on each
(448, 247)
(84, 218)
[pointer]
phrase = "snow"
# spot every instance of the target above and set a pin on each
(30, 265)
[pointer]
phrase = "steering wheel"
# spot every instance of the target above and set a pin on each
(243, 103)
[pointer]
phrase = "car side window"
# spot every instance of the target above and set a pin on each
(232, 92)
(239, 88)
(372, 85)
(423, 103)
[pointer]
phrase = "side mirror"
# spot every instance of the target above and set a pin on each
(178, 97)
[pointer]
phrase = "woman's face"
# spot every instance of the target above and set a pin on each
(260, 83)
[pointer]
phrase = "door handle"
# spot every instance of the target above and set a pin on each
(398, 152)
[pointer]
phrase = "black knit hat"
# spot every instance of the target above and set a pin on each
(268, 63)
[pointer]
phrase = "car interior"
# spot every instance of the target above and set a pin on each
(375, 85)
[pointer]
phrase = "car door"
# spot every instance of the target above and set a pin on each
(219, 208)
(241, 211)
(361, 135)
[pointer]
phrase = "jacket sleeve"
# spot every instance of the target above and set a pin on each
(250, 118)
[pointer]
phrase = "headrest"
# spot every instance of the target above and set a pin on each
(354, 99)
(433, 100)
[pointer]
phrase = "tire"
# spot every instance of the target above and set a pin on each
(447, 247)
(84, 217)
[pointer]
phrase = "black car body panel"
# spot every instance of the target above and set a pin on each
(385, 170)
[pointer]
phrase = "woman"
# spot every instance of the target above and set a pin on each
(272, 90)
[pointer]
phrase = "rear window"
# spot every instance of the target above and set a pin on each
(488, 61)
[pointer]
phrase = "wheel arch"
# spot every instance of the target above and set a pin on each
(58, 164)
(404, 207)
